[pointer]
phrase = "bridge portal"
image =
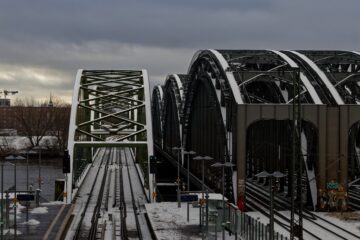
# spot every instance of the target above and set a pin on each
(110, 108)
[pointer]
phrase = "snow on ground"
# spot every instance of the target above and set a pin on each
(19, 206)
(39, 210)
(169, 220)
(351, 225)
(21, 142)
(11, 231)
(31, 222)
(52, 203)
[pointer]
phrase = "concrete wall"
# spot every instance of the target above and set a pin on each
(333, 124)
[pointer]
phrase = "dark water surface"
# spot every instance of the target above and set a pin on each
(50, 171)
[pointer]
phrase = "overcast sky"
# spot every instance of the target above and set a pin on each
(43, 43)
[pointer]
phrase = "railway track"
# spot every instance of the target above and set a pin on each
(310, 220)
(354, 199)
(122, 203)
(130, 203)
(279, 218)
(110, 203)
(95, 194)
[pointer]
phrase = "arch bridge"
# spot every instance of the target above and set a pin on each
(259, 109)
(110, 108)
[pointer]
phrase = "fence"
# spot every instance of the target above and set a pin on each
(236, 223)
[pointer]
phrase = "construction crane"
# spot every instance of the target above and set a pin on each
(8, 92)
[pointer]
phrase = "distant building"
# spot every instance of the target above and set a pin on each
(7, 118)
(50, 104)
(4, 102)
(8, 132)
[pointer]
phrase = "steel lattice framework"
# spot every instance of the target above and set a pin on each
(157, 114)
(236, 107)
(109, 108)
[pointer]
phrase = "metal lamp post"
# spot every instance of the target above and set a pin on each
(13, 158)
(179, 149)
(27, 152)
(223, 166)
(199, 158)
(188, 153)
(202, 159)
(39, 148)
(276, 174)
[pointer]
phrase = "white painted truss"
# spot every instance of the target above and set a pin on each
(110, 108)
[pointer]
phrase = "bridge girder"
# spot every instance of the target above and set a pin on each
(110, 108)
(157, 101)
(232, 78)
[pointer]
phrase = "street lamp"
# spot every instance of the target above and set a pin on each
(223, 166)
(200, 158)
(179, 149)
(27, 152)
(276, 174)
(14, 158)
(188, 153)
(39, 148)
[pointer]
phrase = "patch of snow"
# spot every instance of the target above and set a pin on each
(310, 173)
(351, 225)
(11, 232)
(39, 210)
(323, 77)
(303, 78)
(21, 142)
(19, 206)
(52, 203)
(31, 222)
(231, 79)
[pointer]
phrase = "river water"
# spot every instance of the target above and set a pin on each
(50, 171)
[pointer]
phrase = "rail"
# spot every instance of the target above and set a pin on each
(79, 230)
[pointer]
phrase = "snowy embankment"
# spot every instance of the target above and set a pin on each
(22, 142)
(169, 220)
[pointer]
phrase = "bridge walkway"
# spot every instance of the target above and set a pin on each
(110, 204)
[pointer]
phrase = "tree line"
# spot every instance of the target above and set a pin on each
(37, 119)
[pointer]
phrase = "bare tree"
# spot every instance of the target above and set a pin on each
(35, 119)
(5, 149)
(61, 122)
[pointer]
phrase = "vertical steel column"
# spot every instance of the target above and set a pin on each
(296, 140)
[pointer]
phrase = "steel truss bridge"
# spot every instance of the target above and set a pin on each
(110, 108)
(234, 106)
(237, 106)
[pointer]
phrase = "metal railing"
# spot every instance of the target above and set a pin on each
(237, 223)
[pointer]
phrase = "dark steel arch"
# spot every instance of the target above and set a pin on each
(265, 76)
(260, 76)
(172, 111)
(208, 114)
(206, 118)
(157, 114)
(326, 91)
(342, 69)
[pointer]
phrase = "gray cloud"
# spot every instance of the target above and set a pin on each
(52, 39)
